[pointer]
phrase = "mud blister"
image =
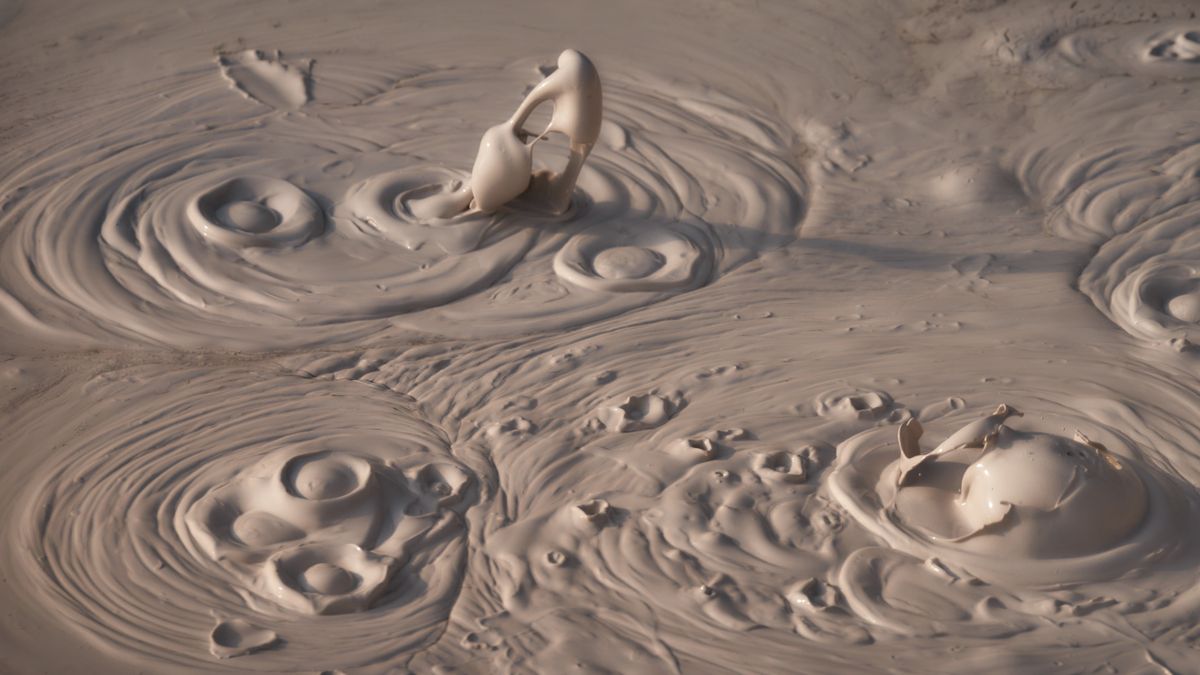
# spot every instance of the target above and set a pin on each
(209, 225)
(988, 496)
(315, 512)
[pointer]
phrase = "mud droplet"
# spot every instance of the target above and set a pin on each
(238, 637)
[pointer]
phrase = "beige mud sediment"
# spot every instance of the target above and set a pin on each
(655, 432)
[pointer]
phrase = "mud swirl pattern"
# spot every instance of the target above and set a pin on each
(263, 202)
(300, 522)
(1089, 510)
(1148, 281)
(805, 525)
(1131, 191)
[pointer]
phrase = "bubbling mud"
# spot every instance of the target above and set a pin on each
(247, 212)
(724, 524)
(1131, 192)
(504, 163)
(642, 257)
(267, 78)
(1146, 281)
(305, 522)
(1095, 189)
(1172, 51)
(639, 424)
(1179, 45)
(211, 224)
(1070, 509)
(315, 530)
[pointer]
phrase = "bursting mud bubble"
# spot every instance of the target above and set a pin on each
(765, 337)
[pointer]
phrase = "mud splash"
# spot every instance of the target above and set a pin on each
(731, 405)
(205, 225)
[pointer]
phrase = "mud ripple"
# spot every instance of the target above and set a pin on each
(1148, 281)
(204, 223)
(311, 519)
(989, 495)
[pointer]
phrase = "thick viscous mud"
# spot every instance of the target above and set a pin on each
(831, 337)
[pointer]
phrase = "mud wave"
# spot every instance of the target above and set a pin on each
(305, 521)
(197, 223)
